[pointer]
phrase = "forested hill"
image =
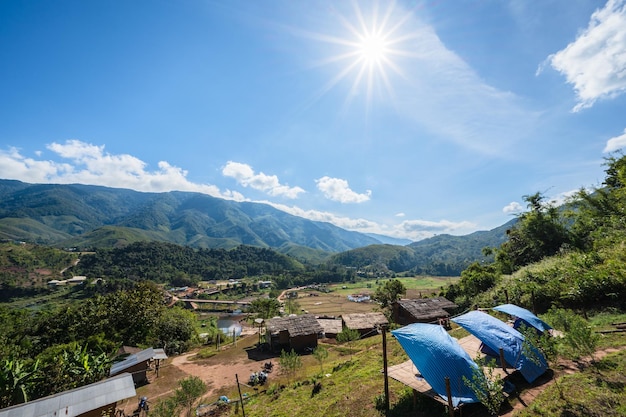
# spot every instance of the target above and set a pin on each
(442, 255)
(178, 265)
(86, 216)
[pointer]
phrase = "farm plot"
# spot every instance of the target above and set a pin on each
(332, 304)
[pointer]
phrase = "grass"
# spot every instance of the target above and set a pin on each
(599, 390)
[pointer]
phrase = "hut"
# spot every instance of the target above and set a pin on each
(366, 324)
(138, 364)
(293, 332)
(331, 326)
(423, 310)
(93, 400)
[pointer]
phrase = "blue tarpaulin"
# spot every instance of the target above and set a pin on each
(436, 355)
(497, 335)
(529, 318)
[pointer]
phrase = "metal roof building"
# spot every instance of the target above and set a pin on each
(90, 400)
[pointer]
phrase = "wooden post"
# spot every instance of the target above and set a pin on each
(502, 361)
(532, 297)
(243, 411)
(506, 295)
(449, 394)
(385, 370)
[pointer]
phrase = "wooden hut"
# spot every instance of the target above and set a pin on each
(332, 327)
(138, 364)
(423, 310)
(293, 332)
(366, 324)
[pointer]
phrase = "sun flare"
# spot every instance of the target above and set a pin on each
(367, 50)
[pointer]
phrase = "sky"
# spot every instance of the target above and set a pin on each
(407, 119)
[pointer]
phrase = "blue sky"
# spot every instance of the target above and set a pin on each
(407, 119)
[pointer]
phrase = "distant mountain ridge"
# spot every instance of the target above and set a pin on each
(93, 216)
(442, 255)
(88, 216)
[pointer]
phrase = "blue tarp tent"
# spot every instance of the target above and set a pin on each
(526, 316)
(437, 355)
(496, 334)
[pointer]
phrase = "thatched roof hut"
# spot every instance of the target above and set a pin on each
(422, 310)
(294, 332)
(364, 323)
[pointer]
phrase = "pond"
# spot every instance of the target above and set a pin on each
(228, 324)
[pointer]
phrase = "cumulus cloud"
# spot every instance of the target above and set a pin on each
(616, 143)
(595, 63)
(245, 175)
(90, 164)
(337, 189)
(513, 207)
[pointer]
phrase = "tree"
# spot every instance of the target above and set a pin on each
(539, 232)
(265, 307)
(175, 330)
(487, 385)
(188, 391)
(389, 292)
(320, 353)
(348, 336)
(289, 362)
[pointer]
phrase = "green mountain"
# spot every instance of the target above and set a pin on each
(86, 216)
(443, 255)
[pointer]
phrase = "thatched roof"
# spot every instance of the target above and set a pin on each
(331, 326)
(428, 308)
(303, 325)
(364, 321)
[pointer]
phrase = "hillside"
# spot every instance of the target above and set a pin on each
(86, 216)
(442, 255)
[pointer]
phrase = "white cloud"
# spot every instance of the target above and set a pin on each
(616, 143)
(245, 175)
(442, 226)
(595, 63)
(400, 214)
(337, 189)
(513, 207)
(90, 164)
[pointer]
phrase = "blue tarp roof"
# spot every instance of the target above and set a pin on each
(496, 334)
(522, 313)
(437, 355)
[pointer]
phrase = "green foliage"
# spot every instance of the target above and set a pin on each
(320, 353)
(17, 381)
(290, 362)
(174, 330)
(579, 337)
(265, 308)
(188, 391)
(487, 385)
(476, 279)
(389, 292)
(539, 232)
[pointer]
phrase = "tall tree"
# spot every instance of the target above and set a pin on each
(389, 292)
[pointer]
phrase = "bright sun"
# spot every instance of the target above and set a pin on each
(373, 49)
(367, 49)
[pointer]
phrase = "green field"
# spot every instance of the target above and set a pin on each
(336, 302)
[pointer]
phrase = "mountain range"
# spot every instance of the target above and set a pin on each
(88, 216)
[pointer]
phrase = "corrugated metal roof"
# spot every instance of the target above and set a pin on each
(132, 360)
(159, 354)
(77, 401)
(303, 325)
(364, 321)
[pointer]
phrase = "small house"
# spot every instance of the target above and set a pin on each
(423, 310)
(293, 332)
(138, 364)
(93, 400)
(366, 324)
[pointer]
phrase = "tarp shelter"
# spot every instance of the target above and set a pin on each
(526, 316)
(436, 355)
(497, 335)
